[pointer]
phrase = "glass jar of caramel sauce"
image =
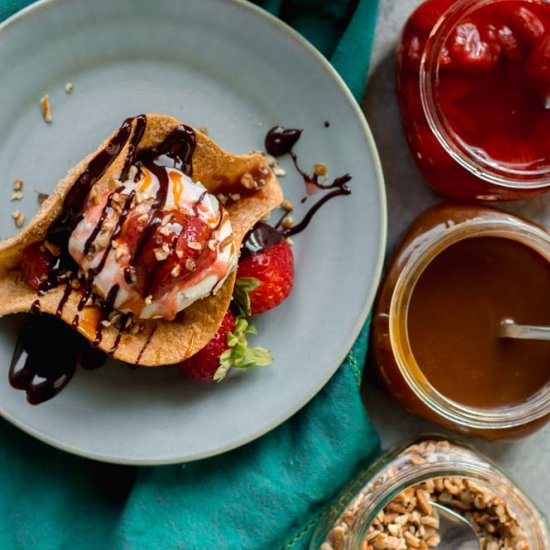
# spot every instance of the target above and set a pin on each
(458, 273)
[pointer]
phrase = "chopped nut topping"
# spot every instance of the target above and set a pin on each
(164, 231)
(17, 196)
(119, 253)
(46, 109)
(102, 240)
(179, 254)
(190, 265)
(132, 173)
(17, 185)
(18, 218)
(288, 206)
(320, 169)
(204, 130)
(212, 244)
(167, 219)
(235, 196)
(175, 270)
(75, 283)
(222, 198)
(69, 87)
(194, 245)
(143, 218)
(247, 181)
(162, 253)
(149, 300)
(279, 172)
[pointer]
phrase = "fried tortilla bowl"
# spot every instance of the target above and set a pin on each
(161, 342)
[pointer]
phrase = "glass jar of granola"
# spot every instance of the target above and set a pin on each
(389, 505)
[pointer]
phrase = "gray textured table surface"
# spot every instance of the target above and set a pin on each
(528, 459)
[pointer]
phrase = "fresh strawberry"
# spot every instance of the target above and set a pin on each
(528, 25)
(35, 264)
(428, 13)
(273, 268)
(228, 349)
(468, 50)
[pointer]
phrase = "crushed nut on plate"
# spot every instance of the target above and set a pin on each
(46, 109)
(69, 87)
(320, 169)
(287, 205)
(287, 222)
(17, 185)
(18, 218)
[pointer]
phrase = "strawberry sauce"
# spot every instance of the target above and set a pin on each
(484, 84)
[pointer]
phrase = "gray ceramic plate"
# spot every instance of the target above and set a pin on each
(232, 68)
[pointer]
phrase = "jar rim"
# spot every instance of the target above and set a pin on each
(491, 170)
(464, 416)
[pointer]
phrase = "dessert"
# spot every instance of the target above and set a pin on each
(153, 251)
(131, 230)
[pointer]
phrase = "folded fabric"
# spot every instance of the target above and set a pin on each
(265, 495)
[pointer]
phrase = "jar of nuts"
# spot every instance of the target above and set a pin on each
(389, 505)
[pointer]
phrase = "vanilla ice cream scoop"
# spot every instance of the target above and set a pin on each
(154, 244)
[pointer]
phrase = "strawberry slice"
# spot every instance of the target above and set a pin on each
(469, 52)
(35, 264)
(173, 253)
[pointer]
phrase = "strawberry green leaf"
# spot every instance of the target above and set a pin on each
(240, 355)
(244, 285)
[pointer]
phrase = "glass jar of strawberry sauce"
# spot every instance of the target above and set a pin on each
(473, 81)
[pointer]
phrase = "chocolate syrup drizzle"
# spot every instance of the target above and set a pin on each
(280, 141)
(43, 369)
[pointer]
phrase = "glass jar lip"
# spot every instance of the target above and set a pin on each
(486, 169)
(512, 416)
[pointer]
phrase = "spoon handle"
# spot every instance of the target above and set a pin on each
(509, 329)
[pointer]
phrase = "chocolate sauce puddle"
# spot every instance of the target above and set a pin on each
(46, 356)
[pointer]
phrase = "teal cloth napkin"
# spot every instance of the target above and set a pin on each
(267, 495)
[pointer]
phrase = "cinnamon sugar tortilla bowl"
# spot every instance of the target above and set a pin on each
(170, 341)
